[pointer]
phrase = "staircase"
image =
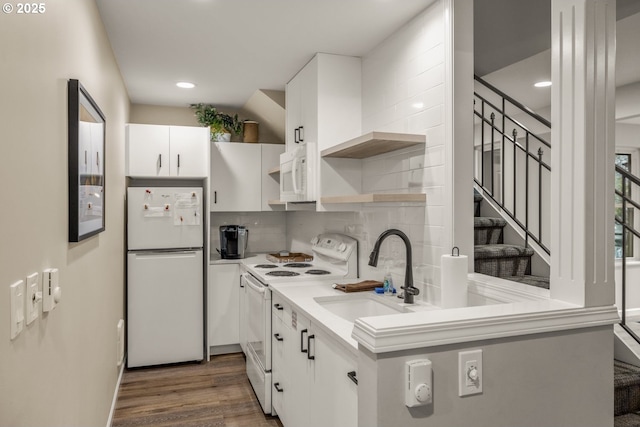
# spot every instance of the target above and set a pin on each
(495, 258)
(626, 381)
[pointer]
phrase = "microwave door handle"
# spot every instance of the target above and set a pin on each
(294, 175)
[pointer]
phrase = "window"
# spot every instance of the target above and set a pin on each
(623, 160)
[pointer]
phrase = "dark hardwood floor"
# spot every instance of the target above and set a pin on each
(215, 393)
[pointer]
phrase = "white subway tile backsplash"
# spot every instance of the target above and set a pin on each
(404, 71)
(434, 176)
(435, 136)
(418, 123)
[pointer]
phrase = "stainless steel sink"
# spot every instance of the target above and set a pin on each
(353, 306)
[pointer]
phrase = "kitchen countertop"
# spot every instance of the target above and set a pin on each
(427, 325)
(302, 295)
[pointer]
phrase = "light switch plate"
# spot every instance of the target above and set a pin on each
(17, 308)
(33, 297)
(51, 292)
(470, 376)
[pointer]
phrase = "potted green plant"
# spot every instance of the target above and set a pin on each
(221, 124)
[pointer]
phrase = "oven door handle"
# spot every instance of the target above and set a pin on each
(256, 287)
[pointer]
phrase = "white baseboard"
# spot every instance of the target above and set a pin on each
(115, 396)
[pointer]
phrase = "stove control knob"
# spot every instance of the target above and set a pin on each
(342, 247)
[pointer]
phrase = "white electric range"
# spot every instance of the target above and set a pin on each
(335, 256)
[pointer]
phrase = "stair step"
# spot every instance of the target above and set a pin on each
(528, 279)
(487, 231)
(501, 251)
(502, 260)
(477, 197)
(626, 381)
(488, 222)
(627, 420)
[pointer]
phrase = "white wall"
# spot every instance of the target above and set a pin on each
(61, 370)
(405, 69)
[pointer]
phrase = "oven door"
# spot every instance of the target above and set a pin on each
(258, 317)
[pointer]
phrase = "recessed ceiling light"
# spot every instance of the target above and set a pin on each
(185, 85)
(545, 83)
(418, 105)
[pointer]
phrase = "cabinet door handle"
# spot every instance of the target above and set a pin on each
(302, 349)
(301, 134)
(85, 157)
(278, 337)
(277, 387)
(178, 161)
(309, 338)
(160, 160)
(215, 197)
(296, 135)
(98, 160)
(352, 377)
(278, 306)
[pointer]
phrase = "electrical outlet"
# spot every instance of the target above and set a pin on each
(469, 372)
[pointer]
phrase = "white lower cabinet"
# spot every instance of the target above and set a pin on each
(311, 385)
(223, 305)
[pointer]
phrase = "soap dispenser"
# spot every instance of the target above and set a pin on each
(388, 280)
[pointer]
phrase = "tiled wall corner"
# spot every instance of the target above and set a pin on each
(267, 230)
(402, 91)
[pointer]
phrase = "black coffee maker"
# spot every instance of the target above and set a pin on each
(233, 241)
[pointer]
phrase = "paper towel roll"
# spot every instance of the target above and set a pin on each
(453, 281)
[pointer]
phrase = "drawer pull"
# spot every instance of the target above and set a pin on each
(352, 377)
(278, 337)
(277, 387)
(302, 349)
(309, 338)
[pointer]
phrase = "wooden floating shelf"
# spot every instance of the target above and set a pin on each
(274, 171)
(376, 198)
(372, 144)
(276, 202)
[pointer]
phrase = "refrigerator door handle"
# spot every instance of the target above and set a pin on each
(189, 253)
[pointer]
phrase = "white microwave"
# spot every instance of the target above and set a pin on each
(297, 174)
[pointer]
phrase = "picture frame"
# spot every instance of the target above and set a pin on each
(86, 164)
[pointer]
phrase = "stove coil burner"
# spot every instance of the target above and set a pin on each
(318, 272)
(297, 265)
(282, 273)
(266, 266)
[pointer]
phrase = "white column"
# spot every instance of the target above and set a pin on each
(458, 191)
(582, 157)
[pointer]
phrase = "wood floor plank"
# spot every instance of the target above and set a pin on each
(215, 393)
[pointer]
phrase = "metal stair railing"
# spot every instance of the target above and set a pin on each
(516, 197)
(627, 185)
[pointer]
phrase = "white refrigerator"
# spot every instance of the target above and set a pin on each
(165, 306)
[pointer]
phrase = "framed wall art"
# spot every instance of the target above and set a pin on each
(86, 164)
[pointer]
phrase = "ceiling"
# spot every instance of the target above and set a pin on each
(229, 49)
(518, 72)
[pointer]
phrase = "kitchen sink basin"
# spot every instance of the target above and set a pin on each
(351, 307)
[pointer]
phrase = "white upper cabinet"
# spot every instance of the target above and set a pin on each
(235, 177)
(166, 151)
(240, 179)
(324, 101)
(187, 148)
